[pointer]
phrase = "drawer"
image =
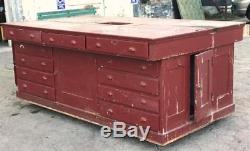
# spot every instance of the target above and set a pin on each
(41, 64)
(130, 116)
(35, 76)
(20, 34)
(130, 65)
(36, 89)
(33, 50)
(64, 41)
(129, 81)
(131, 99)
(118, 47)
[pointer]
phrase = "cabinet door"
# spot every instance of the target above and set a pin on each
(76, 80)
(203, 85)
(223, 77)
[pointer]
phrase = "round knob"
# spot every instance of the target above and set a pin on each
(43, 63)
(73, 42)
(109, 77)
(144, 67)
(143, 84)
(45, 92)
(32, 36)
(24, 73)
(98, 45)
(143, 119)
(44, 78)
(132, 49)
(110, 94)
(23, 59)
(21, 46)
(25, 85)
(109, 112)
(51, 39)
(11, 33)
(143, 101)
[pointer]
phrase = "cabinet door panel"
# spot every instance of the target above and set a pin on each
(203, 85)
(223, 77)
(76, 79)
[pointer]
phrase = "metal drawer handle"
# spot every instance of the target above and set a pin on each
(143, 84)
(110, 94)
(32, 36)
(45, 92)
(44, 78)
(25, 85)
(51, 39)
(73, 42)
(109, 112)
(23, 59)
(98, 45)
(43, 63)
(132, 49)
(143, 101)
(21, 46)
(143, 119)
(24, 73)
(109, 77)
(11, 33)
(144, 67)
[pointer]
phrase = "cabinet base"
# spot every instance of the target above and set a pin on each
(159, 138)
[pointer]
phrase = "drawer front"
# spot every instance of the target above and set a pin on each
(19, 34)
(131, 99)
(33, 50)
(129, 81)
(130, 116)
(67, 41)
(41, 64)
(118, 47)
(10, 33)
(36, 89)
(35, 76)
(130, 65)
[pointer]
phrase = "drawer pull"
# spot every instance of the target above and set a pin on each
(73, 42)
(109, 112)
(24, 73)
(143, 84)
(51, 39)
(143, 119)
(98, 45)
(25, 85)
(110, 94)
(21, 46)
(23, 59)
(45, 92)
(113, 42)
(144, 67)
(132, 49)
(109, 77)
(44, 78)
(32, 36)
(43, 63)
(143, 101)
(11, 33)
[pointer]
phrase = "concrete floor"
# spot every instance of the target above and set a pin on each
(25, 127)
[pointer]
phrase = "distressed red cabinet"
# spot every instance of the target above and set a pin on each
(175, 76)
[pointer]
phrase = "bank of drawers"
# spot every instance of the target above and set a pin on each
(129, 91)
(34, 69)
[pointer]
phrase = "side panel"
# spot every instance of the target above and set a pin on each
(76, 79)
(203, 85)
(223, 76)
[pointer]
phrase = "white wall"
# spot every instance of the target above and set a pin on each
(122, 8)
